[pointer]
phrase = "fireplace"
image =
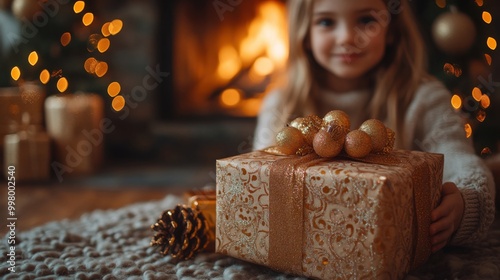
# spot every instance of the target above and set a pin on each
(223, 56)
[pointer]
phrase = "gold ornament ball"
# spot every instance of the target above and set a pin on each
(289, 140)
(309, 126)
(339, 116)
(329, 141)
(454, 32)
(296, 122)
(357, 144)
(377, 132)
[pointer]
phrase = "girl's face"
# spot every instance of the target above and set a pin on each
(348, 37)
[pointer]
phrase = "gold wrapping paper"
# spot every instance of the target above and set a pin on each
(358, 219)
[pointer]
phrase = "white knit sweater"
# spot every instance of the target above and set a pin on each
(430, 125)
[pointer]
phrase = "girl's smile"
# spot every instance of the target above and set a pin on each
(347, 38)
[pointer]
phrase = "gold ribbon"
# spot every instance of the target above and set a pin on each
(286, 203)
(286, 198)
(422, 199)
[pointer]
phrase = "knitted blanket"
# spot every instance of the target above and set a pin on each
(114, 244)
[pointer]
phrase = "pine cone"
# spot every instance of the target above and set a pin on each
(181, 232)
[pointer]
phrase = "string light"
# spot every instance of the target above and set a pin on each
(65, 39)
(492, 43)
(115, 26)
(44, 76)
(78, 7)
(62, 84)
(456, 101)
(15, 73)
(487, 17)
(87, 19)
(33, 58)
(103, 45)
(114, 89)
(476, 93)
(118, 103)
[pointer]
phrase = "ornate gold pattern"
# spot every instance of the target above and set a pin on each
(358, 218)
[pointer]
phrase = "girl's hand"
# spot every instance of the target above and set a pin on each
(446, 218)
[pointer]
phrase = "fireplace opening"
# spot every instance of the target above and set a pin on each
(224, 56)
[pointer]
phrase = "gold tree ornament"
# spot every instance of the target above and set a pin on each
(181, 232)
(338, 116)
(329, 141)
(377, 132)
(289, 140)
(309, 126)
(358, 144)
(454, 32)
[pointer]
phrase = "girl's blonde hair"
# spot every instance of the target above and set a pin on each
(395, 80)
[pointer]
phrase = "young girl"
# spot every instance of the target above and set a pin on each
(366, 57)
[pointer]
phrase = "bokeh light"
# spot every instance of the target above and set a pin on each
(65, 39)
(114, 89)
(230, 97)
(487, 17)
(488, 58)
(62, 84)
(93, 42)
(481, 115)
(468, 130)
(479, 3)
(78, 7)
(118, 103)
(485, 101)
(486, 151)
(449, 69)
(44, 76)
(115, 26)
(441, 3)
(103, 45)
(90, 64)
(456, 101)
(492, 43)
(33, 58)
(87, 19)
(101, 69)
(105, 29)
(263, 66)
(477, 93)
(15, 73)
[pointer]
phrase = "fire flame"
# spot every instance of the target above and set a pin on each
(265, 47)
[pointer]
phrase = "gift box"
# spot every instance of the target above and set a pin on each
(328, 218)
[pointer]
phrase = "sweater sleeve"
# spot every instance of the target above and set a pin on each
(439, 129)
(270, 121)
